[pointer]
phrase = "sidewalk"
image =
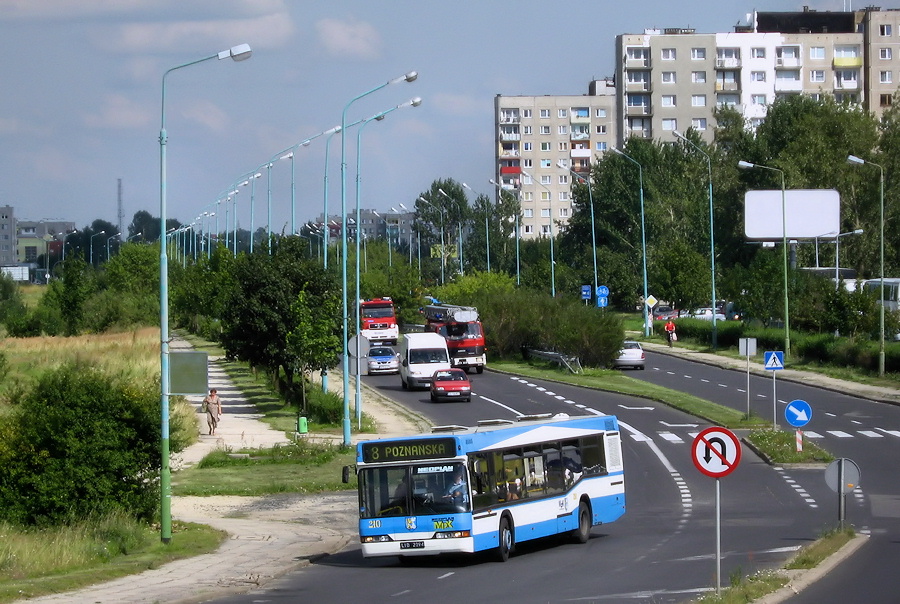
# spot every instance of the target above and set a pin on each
(267, 536)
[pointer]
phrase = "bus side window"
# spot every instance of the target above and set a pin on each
(480, 471)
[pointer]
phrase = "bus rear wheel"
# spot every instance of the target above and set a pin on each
(507, 541)
(583, 532)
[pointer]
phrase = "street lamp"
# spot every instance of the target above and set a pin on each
(459, 238)
(133, 236)
(91, 242)
(712, 240)
(487, 236)
(252, 195)
(409, 241)
(107, 244)
(64, 243)
(587, 181)
(500, 190)
(409, 77)
(237, 53)
(745, 165)
(837, 254)
(859, 161)
(441, 209)
(552, 257)
(643, 236)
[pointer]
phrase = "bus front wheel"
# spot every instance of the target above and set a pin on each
(583, 532)
(507, 541)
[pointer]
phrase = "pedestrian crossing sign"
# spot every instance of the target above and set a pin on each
(773, 360)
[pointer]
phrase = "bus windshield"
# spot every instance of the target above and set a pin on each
(414, 490)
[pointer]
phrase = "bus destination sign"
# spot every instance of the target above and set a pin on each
(408, 450)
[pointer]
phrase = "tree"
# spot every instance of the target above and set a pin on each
(315, 339)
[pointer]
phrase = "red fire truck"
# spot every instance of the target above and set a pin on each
(461, 326)
(377, 321)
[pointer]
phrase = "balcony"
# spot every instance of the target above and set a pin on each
(574, 153)
(848, 61)
(637, 62)
(509, 153)
(510, 170)
(787, 62)
(579, 136)
(727, 86)
(640, 133)
(580, 118)
(637, 87)
(507, 118)
(846, 84)
(510, 136)
(729, 63)
(638, 110)
(788, 85)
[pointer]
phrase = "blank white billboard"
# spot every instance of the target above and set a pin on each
(809, 213)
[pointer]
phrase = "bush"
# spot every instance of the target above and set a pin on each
(324, 407)
(80, 443)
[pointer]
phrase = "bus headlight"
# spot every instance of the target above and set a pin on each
(453, 535)
(375, 539)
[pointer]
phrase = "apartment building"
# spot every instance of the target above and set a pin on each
(8, 243)
(673, 79)
(541, 141)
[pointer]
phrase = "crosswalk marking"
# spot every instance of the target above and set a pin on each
(871, 434)
(839, 433)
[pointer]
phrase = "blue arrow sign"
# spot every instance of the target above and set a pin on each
(602, 302)
(798, 413)
(773, 360)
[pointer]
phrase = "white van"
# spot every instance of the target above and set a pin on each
(421, 354)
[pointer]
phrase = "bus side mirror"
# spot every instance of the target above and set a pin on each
(345, 474)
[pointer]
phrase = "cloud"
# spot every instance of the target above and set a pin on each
(349, 39)
(208, 114)
(266, 31)
(119, 112)
(459, 104)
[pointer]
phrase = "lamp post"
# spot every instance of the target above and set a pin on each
(712, 240)
(837, 254)
(133, 236)
(552, 256)
(500, 198)
(859, 161)
(409, 77)
(91, 245)
(459, 239)
(107, 244)
(745, 165)
(643, 235)
(587, 181)
(66, 236)
(237, 53)
(252, 195)
(234, 213)
(409, 240)
(487, 236)
(443, 256)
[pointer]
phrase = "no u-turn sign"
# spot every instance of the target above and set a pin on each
(716, 452)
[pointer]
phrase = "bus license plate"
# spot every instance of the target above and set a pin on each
(412, 545)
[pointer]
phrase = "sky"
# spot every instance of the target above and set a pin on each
(81, 88)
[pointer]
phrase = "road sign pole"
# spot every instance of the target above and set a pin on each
(774, 403)
(799, 441)
(748, 386)
(841, 498)
(718, 539)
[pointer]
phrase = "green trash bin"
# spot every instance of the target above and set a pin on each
(302, 427)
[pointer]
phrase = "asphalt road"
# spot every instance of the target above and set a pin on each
(662, 550)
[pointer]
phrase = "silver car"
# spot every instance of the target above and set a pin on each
(631, 355)
(383, 359)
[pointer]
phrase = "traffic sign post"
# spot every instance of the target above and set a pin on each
(798, 413)
(717, 452)
(747, 348)
(585, 292)
(773, 360)
(842, 475)
(602, 296)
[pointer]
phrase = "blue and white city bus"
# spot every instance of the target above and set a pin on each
(471, 489)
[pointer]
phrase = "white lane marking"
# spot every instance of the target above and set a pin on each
(871, 434)
(891, 432)
(637, 408)
(687, 376)
(668, 425)
(811, 434)
(741, 390)
(704, 381)
(445, 575)
(499, 404)
(672, 438)
(839, 433)
(723, 385)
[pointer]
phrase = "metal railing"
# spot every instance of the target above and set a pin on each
(572, 363)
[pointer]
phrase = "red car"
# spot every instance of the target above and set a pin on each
(450, 384)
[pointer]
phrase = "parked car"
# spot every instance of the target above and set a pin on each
(450, 384)
(707, 314)
(664, 313)
(631, 355)
(383, 359)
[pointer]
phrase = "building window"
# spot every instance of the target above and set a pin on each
(884, 30)
(529, 229)
(638, 53)
(600, 113)
(698, 54)
(728, 53)
(758, 99)
(757, 76)
(563, 130)
(668, 77)
(545, 129)
(816, 76)
(885, 53)
(545, 229)
(787, 52)
(844, 78)
(545, 163)
(885, 77)
(601, 129)
(545, 212)
(563, 146)
(528, 213)
(698, 100)
(698, 123)
(563, 179)
(698, 77)
(758, 53)
(668, 100)
(668, 54)
(545, 195)
(545, 113)
(526, 113)
(601, 146)
(545, 178)
(670, 124)
(527, 147)
(788, 75)
(564, 212)
(561, 113)
(816, 52)
(527, 195)
(846, 52)
(564, 162)
(728, 100)
(545, 146)
(526, 129)
(886, 100)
